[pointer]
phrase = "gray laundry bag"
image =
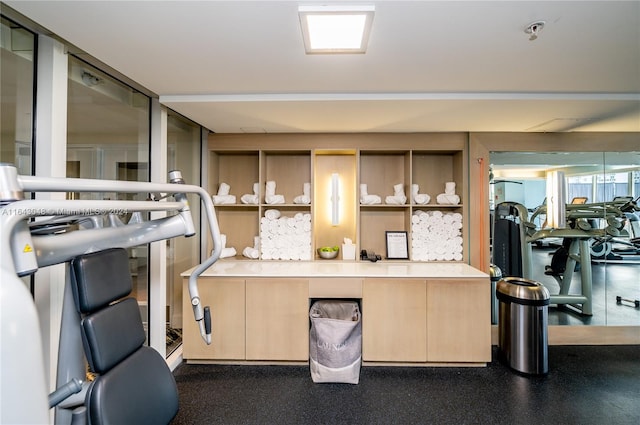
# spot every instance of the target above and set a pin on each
(335, 342)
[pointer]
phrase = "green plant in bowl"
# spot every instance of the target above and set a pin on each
(328, 252)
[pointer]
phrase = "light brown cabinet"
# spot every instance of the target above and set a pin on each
(226, 299)
(394, 320)
(458, 312)
(434, 321)
(413, 313)
(277, 326)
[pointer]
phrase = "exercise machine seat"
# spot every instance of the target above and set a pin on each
(134, 384)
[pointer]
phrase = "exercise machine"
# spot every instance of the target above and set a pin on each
(514, 232)
(38, 233)
(622, 248)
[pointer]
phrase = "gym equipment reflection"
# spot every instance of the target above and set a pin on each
(514, 233)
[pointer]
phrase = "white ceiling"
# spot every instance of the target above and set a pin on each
(236, 66)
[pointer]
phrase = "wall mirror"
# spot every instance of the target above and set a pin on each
(594, 181)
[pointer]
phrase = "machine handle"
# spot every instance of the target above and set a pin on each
(207, 321)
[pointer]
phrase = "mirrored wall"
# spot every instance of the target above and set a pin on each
(602, 190)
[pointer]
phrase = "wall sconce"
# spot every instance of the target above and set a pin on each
(556, 200)
(335, 199)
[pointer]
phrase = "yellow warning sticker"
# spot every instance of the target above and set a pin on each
(27, 248)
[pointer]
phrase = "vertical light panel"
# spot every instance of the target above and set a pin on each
(556, 200)
(335, 199)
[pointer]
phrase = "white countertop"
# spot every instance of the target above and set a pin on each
(337, 268)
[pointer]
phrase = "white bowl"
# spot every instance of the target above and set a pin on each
(327, 255)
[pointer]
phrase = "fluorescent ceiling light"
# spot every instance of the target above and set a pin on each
(336, 29)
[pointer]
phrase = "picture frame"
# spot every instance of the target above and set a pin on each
(397, 245)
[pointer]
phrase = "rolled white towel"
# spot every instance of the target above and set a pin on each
(272, 214)
(223, 189)
(249, 198)
(270, 187)
(421, 199)
(270, 196)
(398, 197)
(223, 199)
(305, 198)
(370, 199)
(227, 252)
(398, 189)
(445, 199)
(395, 200)
(450, 188)
(302, 199)
(250, 252)
(274, 199)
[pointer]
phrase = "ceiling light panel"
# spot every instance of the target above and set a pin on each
(336, 29)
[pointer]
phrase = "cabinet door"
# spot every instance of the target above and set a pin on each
(394, 320)
(226, 298)
(458, 320)
(277, 319)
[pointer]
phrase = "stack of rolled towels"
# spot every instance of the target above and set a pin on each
(254, 251)
(285, 238)
(305, 198)
(436, 236)
(223, 196)
(226, 251)
(398, 197)
(365, 198)
(449, 196)
(419, 198)
(270, 195)
(252, 198)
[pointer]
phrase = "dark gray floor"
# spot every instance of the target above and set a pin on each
(585, 385)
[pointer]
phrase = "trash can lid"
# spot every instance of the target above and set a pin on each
(522, 291)
(494, 272)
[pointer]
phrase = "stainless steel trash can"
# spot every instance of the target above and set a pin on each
(523, 319)
(496, 274)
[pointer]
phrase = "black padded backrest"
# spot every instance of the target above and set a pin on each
(140, 390)
(100, 278)
(135, 385)
(112, 334)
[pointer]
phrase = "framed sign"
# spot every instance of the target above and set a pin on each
(397, 245)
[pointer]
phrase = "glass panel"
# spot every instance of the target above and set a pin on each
(622, 242)
(108, 138)
(603, 179)
(16, 89)
(183, 144)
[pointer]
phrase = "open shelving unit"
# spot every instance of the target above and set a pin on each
(429, 160)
